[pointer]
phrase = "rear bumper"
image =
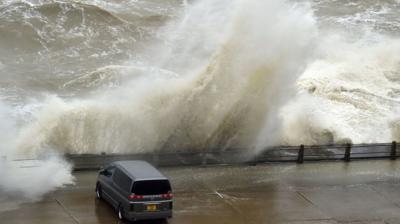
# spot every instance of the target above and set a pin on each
(148, 215)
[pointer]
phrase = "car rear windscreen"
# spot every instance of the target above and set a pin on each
(151, 187)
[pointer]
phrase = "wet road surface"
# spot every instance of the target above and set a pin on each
(324, 193)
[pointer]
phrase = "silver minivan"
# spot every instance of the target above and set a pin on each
(136, 190)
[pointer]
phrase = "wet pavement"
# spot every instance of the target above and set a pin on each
(324, 193)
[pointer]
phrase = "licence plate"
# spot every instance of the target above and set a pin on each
(151, 207)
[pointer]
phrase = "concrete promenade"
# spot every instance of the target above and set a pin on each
(325, 193)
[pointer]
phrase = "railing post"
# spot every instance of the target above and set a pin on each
(347, 153)
(300, 155)
(393, 151)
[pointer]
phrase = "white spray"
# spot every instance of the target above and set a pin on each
(24, 179)
(233, 66)
(349, 94)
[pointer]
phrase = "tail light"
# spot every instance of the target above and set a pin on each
(134, 196)
(169, 195)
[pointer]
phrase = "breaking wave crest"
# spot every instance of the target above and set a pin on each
(228, 102)
(349, 94)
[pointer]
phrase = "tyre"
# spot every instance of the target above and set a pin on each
(98, 191)
(121, 215)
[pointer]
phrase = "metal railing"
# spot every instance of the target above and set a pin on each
(299, 154)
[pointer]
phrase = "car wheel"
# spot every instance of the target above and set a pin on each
(98, 191)
(120, 213)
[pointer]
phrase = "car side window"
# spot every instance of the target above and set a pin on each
(122, 180)
(109, 171)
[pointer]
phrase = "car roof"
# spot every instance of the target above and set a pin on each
(140, 170)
